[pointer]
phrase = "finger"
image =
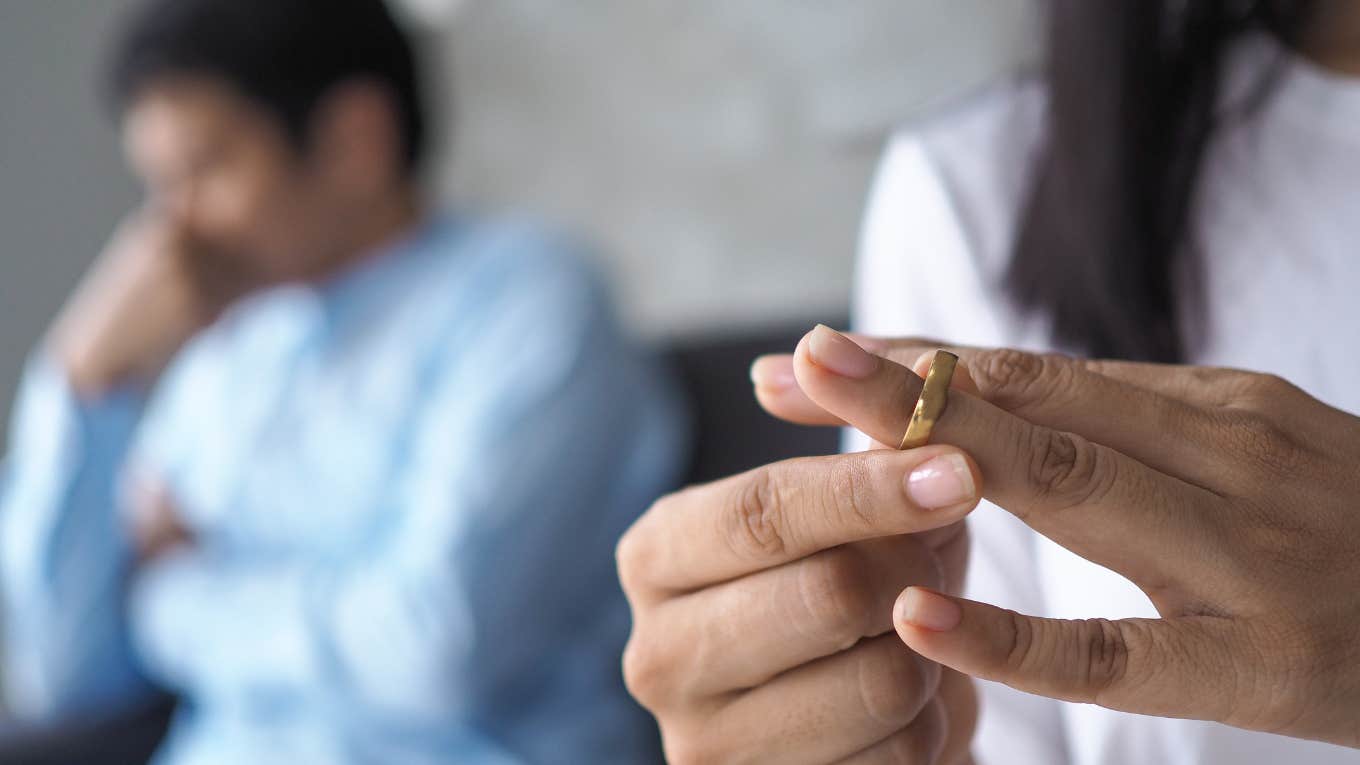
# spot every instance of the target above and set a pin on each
(1163, 667)
(777, 390)
(778, 393)
(1088, 497)
(1155, 413)
(741, 634)
(920, 743)
(1169, 434)
(1107, 402)
(1201, 386)
(834, 707)
(789, 510)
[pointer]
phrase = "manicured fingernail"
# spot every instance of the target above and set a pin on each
(774, 373)
(839, 354)
(942, 482)
(928, 610)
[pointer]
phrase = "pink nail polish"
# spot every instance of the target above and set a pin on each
(942, 482)
(840, 355)
(928, 610)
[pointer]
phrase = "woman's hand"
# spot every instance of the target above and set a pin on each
(1231, 498)
(762, 609)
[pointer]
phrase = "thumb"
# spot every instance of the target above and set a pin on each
(1174, 667)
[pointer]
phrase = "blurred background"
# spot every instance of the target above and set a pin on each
(716, 152)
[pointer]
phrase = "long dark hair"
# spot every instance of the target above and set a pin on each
(1133, 88)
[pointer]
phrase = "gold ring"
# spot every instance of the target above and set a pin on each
(934, 397)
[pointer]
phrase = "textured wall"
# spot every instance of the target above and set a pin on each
(717, 151)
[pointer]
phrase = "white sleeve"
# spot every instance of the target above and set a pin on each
(918, 276)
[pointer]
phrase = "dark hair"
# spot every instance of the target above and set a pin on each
(1132, 89)
(284, 55)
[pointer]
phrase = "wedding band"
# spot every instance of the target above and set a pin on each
(934, 397)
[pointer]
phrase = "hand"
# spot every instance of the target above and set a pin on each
(762, 609)
(1228, 497)
(150, 291)
(153, 520)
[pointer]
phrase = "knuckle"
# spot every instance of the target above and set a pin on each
(754, 524)
(1224, 381)
(637, 548)
(1066, 470)
(1094, 651)
(645, 677)
(1012, 379)
(892, 683)
(1020, 636)
(1271, 385)
(921, 741)
(836, 594)
(628, 558)
(1104, 654)
(1256, 391)
(1265, 446)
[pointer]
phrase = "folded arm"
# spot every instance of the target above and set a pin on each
(63, 553)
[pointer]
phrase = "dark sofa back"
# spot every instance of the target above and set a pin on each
(732, 433)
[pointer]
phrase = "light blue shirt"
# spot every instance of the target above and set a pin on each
(406, 486)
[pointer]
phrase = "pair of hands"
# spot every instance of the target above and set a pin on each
(807, 611)
(151, 290)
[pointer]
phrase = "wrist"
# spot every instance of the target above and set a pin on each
(97, 363)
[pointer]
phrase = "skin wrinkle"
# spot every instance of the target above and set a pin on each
(852, 493)
(1107, 660)
(753, 526)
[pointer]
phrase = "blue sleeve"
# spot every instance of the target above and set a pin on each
(490, 600)
(64, 558)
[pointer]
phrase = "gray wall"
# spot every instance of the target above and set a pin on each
(717, 151)
(62, 184)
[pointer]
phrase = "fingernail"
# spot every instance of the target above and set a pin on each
(870, 344)
(773, 373)
(942, 482)
(922, 364)
(928, 610)
(839, 354)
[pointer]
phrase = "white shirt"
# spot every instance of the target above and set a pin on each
(1278, 222)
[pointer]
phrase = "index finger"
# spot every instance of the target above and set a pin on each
(1086, 496)
(779, 513)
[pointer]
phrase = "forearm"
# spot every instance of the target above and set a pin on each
(234, 628)
(64, 556)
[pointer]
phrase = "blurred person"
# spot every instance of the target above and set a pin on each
(1177, 536)
(341, 472)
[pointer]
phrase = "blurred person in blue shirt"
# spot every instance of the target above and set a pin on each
(343, 474)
